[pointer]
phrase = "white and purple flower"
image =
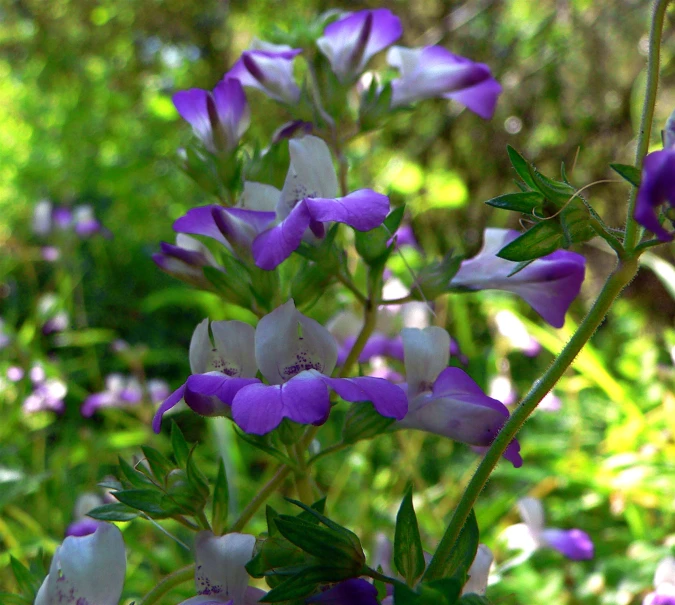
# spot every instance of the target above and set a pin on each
(548, 284)
(83, 525)
(124, 391)
(186, 260)
(220, 572)
(87, 570)
(664, 584)
(269, 68)
(433, 71)
(532, 534)
(445, 400)
(48, 393)
(218, 118)
(350, 42)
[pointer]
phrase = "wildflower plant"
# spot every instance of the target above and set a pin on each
(276, 252)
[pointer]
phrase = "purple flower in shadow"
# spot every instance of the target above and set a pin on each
(445, 400)
(186, 260)
(350, 42)
(657, 187)
(548, 284)
(433, 71)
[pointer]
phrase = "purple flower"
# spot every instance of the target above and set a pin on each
(309, 199)
(548, 285)
(657, 188)
(296, 355)
(350, 42)
(532, 534)
(218, 118)
(5, 338)
(269, 68)
(405, 236)
(291, 129)
(664, 584)
(186, 260)
(355, 591)
(88, 569)
(122, 391)
(514, 331)
(219, 369)
(48, 393)
(14, 373)
(81, 219)
(445, 400)
(433, 71)
(86, 224)
(220, 573)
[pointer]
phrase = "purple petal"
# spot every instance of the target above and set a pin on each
(275, 245)
(199, 221)
(259, 408)
(232, 108)
(481, 98)
(363, 209)
(270, 72)
(656, 598)
(191, 105)
(388, 399)
(240, 225)
(211, 394)
(656, 188)
(572, 543)
(84, 527)
(168, 403)
(355, 591)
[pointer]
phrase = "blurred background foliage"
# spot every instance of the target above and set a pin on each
(86, 118)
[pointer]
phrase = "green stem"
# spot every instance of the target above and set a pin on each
(302, 484)
(600, 229)
(177, 577)
(327, 452)
(653, 63)
(616, 282)
(261, 496)
(349, 284)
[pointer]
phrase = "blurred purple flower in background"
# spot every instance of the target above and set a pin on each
(48, 218)
(83, 525)
(548, 284)
(218, 118)
(664, 584)
(433, 71)
(124, 391)
(532, 534)
(269, 68)
(350, 42)
(5, 338)
(47, 395)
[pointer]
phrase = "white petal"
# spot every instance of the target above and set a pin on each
(42, 597)
(220, 562)
(665, 572)
(519, 537)
(426, 354)
(258, 196)
(532, 513)
(86, 502)
(92, 569)
(479, 571)
(404, 59)
(311, 173)
(235, 348)
(200, 348)
(287, 342)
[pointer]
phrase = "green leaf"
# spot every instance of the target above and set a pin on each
(408, 552)
(221, 499)
(351, 536)
(304, 583)
(521, 166)
(196, 478)
(7, 598)
(394, 219)
(628, 173)
(271, 515)
(28, 585)
(261, 443)
(159, 464)
(362, 421)
(372, 246)
(115, 511)
(319, 506)
(464, 551)
(556, 191)
(404, 595)
(473, 599)
(448, 588)
(526, 202)
(147, 500)
(181, 449)
(134, 477)
(540, 240)
(519, 267)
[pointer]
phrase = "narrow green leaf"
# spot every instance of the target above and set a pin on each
(404, 595)
(525, 202)
(196, 478)
(628, 173)
(181, 449)
(261, 444)
(270, 516)
(115, 511)
(160, 465)
(464, 551)
(521, 166)
(393, 220)
(7, 598)
(473, 599)
(408, 552)
(147, 500)
(364, 422)
(28, 585)
(221, 499)
(519, 267)
(134, 477)
(351, 536)
(542, 239)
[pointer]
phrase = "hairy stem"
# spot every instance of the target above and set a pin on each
(616, 282)
(261, 496)
(653, 64)
(177, 577)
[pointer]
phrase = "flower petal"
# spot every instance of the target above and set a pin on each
(479, 571)
(274, 246)
(211, 394)
(232, 108)
(259, 408)
(235, 348)
(260, 197)
(355, 591)
(199, 221)
(170, 402)
(191, 105)
(363, 209)
(657, 187)
(287, 343)
(532, 514)
(200, 348)
(388, 399)
(220, 564)
(268, 71)
(426, 355)
(572, 543)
